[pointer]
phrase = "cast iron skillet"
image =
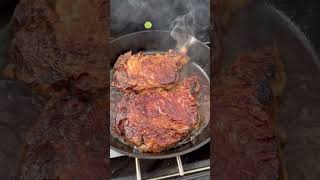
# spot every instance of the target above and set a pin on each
(157, 41)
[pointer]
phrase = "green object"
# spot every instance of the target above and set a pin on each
(148, 25)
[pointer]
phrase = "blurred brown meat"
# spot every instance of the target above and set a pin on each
(69, 141)
(227, 9)
(60, 45)
(246, 144)
(139, 71)
(158, 119)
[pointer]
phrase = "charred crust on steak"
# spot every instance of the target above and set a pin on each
(139, 72)
(244, 126)
(158, 119)
(50, 45)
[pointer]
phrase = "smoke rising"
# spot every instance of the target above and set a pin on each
(137, 3)
(190, 23)
(190, 17)
(181, 27)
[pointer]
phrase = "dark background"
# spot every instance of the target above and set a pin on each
(305, 13)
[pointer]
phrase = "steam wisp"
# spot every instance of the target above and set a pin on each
(184, 27)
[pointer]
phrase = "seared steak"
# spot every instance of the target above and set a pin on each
(69, 141)
(139, 72)
(60, 45)
(157, 119)
(246, 145)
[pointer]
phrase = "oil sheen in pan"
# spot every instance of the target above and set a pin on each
(190, 69)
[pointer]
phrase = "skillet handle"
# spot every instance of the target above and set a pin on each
(206, 43)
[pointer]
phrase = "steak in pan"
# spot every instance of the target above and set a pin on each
(246, 143)
(157, 119)
(137, 72)
(69, 141)
(60, 45)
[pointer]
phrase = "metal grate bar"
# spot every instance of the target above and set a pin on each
(138, 170)
(180, 166)
(180, 173)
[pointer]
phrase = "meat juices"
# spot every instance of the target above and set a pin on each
(244, 123)
(157, 119)
(140, 72)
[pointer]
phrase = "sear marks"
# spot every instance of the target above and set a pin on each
(140, 72)
(244, 124)
(59, 45)
(157, 119)
(68, 142)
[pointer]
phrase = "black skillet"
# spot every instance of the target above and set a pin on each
(159, 41)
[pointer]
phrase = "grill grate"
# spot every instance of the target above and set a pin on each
(180, 172)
